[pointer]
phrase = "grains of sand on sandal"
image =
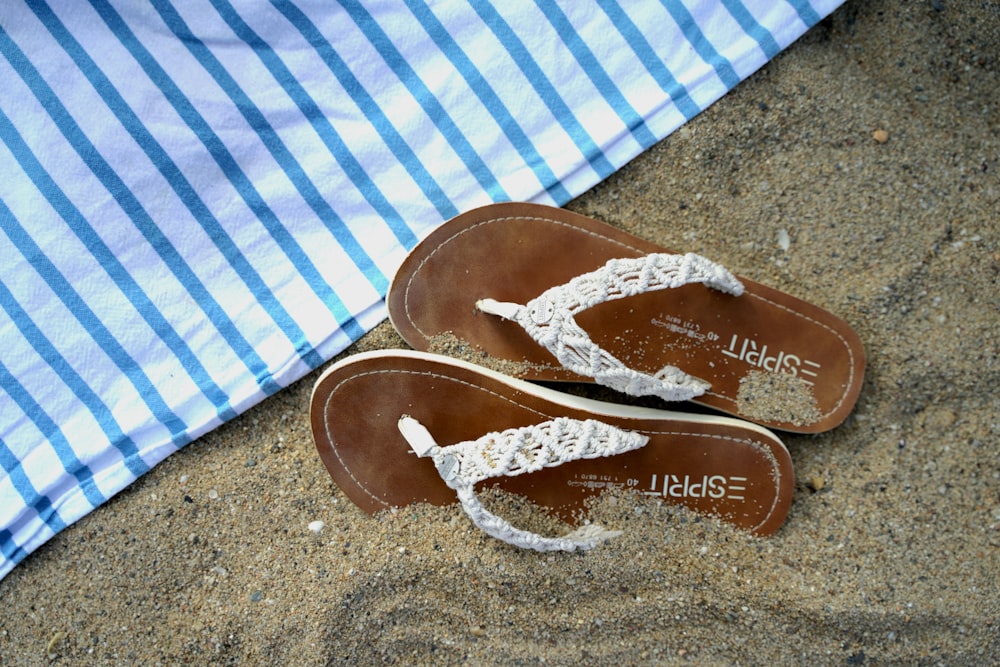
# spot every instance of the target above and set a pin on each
(777, 397)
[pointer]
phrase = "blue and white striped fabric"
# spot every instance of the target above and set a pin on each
(201, 201)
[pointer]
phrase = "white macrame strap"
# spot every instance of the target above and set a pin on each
(518, 451)
(548, 319)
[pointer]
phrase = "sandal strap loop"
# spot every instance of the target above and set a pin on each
(518, 451)
(548, 318)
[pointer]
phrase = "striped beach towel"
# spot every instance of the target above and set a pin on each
(202, 201)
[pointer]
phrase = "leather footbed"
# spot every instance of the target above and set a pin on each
(715, 465)
(748, 347)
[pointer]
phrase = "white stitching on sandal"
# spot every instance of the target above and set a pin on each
(548, 318)
(518, 451)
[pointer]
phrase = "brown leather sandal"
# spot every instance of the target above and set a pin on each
(546, 294)
(399, 427)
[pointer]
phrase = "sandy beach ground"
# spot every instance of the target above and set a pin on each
(891, 552)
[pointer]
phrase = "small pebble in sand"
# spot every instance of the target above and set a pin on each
(316, 526)
(880, 136)
(784, 241)
(52, 650)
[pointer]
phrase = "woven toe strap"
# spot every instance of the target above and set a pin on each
(548, 319)
(516, 452)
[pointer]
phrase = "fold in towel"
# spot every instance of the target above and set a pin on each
(203, 201)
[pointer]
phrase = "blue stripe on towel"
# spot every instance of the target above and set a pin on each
(651, 61)
(596, 73)
(54, 359)
(806, 12)
(432, 107)
(11, 465)
(492, 103)
(8, 547)
(752, 28)
(81, 390)
(338, 147)
(47, 426)
(702, 46)
(303, 184)
(110, 179)
(70, 298)
(393, 139)
(105, 257)
(543, 86)
(229, 166)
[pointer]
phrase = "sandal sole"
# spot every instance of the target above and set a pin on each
(713, 465)
(770, 357)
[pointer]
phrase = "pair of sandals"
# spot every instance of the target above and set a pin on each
(543, 294)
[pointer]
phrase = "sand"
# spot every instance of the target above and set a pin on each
(891, 552)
